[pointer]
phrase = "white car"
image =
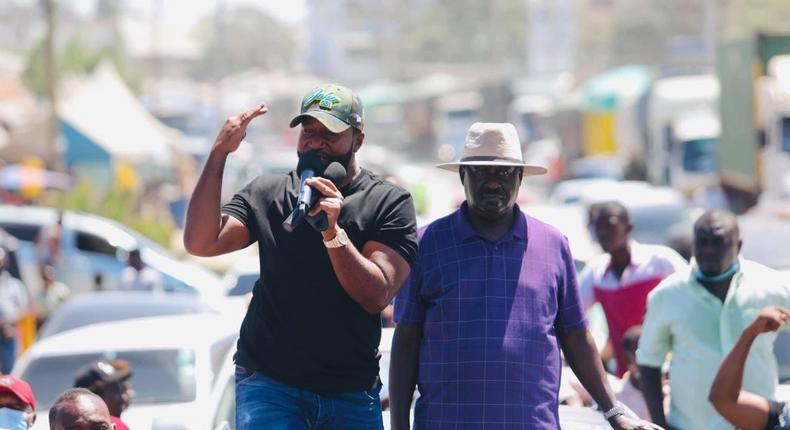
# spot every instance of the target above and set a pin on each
(176, 363)
(653, 210)
(242, 276)
(91, 244)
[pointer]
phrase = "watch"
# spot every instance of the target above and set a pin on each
(616, 411)
(340, 239)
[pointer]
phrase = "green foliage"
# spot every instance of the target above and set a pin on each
(744, 17)
(74, 59)
(119, 205)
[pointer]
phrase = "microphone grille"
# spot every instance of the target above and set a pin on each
(335, 172)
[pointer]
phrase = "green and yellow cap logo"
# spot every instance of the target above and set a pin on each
(336, 106)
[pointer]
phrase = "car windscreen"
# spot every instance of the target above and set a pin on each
(24, 232)
(651, 223)
(699, 155)
(75, 315)
(244, 284)
(159, 376)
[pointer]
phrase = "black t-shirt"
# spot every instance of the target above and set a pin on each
(302, 328)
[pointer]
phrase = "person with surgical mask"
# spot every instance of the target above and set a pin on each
(17, 404)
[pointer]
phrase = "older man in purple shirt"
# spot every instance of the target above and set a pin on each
(490, 300)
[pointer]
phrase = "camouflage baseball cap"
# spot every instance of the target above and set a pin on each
(336, 106)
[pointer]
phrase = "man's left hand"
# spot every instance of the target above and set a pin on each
(623, 422)
(331, 203)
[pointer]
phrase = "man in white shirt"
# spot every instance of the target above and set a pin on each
(698, 315)
(138, 277)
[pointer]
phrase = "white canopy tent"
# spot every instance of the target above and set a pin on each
(103, 110)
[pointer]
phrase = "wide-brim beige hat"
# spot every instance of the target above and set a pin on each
(493, 144)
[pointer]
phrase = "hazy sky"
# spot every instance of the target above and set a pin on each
(176, 19)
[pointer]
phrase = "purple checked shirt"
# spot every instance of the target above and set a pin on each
(490, 313)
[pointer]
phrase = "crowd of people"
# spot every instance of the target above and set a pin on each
(102, 391)
(488, 304)
(487, 300)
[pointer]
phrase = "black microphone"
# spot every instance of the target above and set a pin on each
(310, 166)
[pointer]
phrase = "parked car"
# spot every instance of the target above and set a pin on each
(93, 245)
(653, 210)
(176, 362)
(106, 306)
(242, 276)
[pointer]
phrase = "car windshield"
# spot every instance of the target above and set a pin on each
(244, 284)
(651, 223)
(159, 376)
(77, 314)
(699, 155)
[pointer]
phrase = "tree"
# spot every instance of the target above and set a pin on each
(74, 59)
(742, 17)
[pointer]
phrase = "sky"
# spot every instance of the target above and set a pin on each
(176, 19)
(191, 11)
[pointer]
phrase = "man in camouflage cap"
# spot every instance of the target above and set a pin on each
(308, 348)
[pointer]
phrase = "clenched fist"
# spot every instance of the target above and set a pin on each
(770, 318)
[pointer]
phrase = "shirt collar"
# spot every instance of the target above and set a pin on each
(466, 231)
(638, 257)
(638, 254)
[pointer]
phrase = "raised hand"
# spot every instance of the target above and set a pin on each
(770, 318)
(235, 129)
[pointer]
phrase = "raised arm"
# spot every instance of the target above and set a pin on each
(743, 409)
(207, 232)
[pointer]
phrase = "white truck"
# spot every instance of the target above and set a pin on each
(773, 98)
(683, 131)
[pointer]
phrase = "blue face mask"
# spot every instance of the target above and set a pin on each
(701, 277)
(12, 419)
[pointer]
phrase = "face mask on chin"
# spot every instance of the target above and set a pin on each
(13, 419)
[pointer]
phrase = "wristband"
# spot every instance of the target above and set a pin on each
(616, 411)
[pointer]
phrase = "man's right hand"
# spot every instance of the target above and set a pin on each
(770, 318)
(235, 129)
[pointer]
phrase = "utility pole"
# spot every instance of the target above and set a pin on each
(52, 154)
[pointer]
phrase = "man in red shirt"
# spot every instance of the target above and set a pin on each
(621, 278)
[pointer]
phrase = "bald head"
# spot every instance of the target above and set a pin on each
(717, 241)
(79, 409)
(718, 219)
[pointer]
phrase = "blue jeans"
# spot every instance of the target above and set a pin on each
(7, 354)
(262, 402)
